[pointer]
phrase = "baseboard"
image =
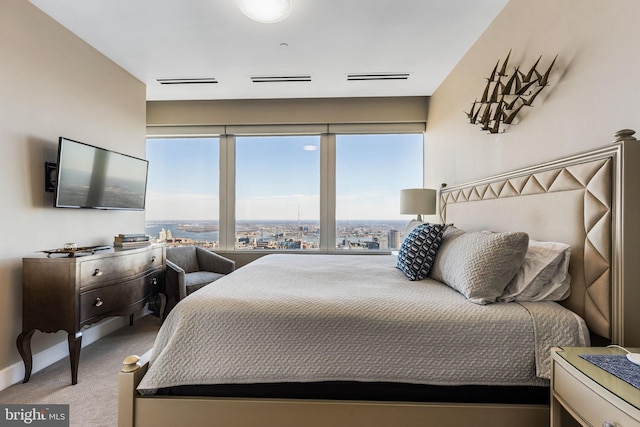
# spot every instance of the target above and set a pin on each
(15, 373)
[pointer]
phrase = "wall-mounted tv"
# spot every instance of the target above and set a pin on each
(96, 178)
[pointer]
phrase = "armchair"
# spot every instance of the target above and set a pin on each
(190, 268)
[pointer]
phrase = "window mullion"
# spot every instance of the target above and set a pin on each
(227, 192)
(328, 192)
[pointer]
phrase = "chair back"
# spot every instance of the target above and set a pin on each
(184, 257)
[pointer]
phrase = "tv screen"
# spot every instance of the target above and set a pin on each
(92, 177)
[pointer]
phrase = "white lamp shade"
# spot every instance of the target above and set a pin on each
(417, 201)
(266, 11)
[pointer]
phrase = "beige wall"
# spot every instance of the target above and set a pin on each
(288, 111)
(594, 90)
(53, 84)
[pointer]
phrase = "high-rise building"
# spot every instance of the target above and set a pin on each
(394, 239)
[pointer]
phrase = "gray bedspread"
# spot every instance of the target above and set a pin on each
(304, 318)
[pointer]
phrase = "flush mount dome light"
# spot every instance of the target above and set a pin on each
(266, 11)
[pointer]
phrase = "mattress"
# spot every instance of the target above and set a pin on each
(316, 318)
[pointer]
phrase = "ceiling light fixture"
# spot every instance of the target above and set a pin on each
(265, 11)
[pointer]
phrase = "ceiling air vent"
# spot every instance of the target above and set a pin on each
(280, 79)
(202, 80)
(378, 76)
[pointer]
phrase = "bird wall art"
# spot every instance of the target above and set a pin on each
(505, 95)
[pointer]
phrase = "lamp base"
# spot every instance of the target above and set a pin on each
(412, 224)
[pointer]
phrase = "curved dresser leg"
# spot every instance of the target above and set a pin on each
(24, 348)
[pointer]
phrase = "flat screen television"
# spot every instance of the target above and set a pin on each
(96, 178)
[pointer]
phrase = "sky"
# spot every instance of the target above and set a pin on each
(278, 177)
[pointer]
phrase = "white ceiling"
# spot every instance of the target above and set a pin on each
(327, 40)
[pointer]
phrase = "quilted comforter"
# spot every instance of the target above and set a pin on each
(305, 318)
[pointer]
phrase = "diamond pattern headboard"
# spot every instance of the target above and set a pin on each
(569, 200)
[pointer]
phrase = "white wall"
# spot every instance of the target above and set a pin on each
(594, 90)
(53, 84)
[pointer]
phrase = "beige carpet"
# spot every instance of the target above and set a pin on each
(93, 401)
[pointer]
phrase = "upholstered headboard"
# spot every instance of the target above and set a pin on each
(582, 200)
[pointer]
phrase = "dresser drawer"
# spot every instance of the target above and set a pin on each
(108, 300)
(119, 266)
(583, 401)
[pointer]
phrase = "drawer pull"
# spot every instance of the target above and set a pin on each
(154, 281)
(608, 424)
(97, 272)
(98, 302)
(153, 259)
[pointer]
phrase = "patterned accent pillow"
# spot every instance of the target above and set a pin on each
(418, 251)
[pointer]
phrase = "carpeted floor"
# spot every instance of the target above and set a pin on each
(93, 401)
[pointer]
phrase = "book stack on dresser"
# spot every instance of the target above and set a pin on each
(131, 240)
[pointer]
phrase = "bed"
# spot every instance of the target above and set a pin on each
(407, 369)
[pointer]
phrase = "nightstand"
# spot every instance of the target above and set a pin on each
(592, 396)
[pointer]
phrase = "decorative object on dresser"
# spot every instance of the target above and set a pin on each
(591, 395)
(506, 94)
(190, 268)
(68, 293)
(73, 250)
(131, 240)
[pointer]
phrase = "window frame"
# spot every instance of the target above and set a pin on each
(327, 132)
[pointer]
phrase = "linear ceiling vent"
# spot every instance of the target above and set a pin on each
(378, 76)
(280, 79)
(202, 80)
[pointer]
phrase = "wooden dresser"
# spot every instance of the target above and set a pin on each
(68, 293)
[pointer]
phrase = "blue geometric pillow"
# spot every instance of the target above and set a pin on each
(419, 249)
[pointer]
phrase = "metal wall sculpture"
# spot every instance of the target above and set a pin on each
(505, 95)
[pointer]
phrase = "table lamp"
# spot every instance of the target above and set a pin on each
(418, 201)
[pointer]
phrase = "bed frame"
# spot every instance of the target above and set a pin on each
(589, 200)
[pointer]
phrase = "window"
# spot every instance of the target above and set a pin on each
(277, 192)
(314, 191)
(370, 172)
(182, 196)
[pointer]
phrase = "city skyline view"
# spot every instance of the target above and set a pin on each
(278, 177)
(281, 234)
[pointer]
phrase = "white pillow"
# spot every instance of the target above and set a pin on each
(544, 275)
